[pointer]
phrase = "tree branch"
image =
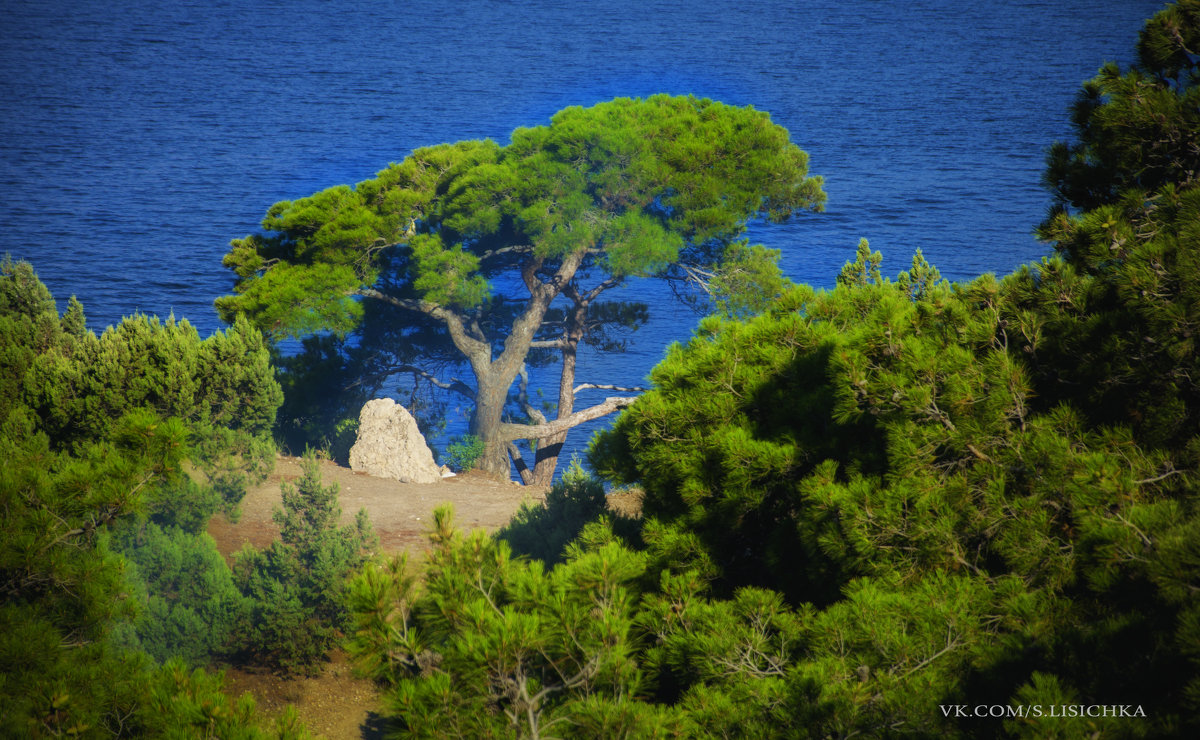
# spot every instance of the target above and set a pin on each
(695, 275)
(610, 283)
(510, 432)
(600, 386)
(454, 384)
(478, 353)
(523, 398)
(517, 344)
(521, 248)
(1157, 478)
(529, 271)
(519, 461)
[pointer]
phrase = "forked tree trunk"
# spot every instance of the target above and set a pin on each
(495, 377)
(485, 424)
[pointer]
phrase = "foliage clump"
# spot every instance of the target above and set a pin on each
(542, 530)
(96, 438)
(464, 452)
(294, 587)
(191, 609)
(487, 645)
(78, 385)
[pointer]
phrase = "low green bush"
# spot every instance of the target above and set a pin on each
(463, 453)
(296, 584)
(542, 531)
(191, 608)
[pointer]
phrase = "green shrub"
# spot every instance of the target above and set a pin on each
(223, 387)
(463, 453)
(543, 530)
(191, 608)
(296, 585)
(89, 582)
(490, 645)
(345, 433)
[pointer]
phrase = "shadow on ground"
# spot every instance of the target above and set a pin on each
(375, 727)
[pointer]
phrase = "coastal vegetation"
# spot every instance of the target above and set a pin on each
(502, 258)
(873, 509)
(870, 510)
(117, 451)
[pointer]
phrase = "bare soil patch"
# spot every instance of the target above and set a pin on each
(401, 513)
(335, 704)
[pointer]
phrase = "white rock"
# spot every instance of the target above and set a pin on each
(389, 445)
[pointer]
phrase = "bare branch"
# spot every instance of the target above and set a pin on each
(976, 452)
(697, 276)
(610, 283)
(516, 248)
(510, 432)
(523, 397)
(951, 643)
(475, 331)
(1157, 478)
(603, 387)
(529, 271)
(519, 461)
(571, 291)
(454, 384)
(411, 304)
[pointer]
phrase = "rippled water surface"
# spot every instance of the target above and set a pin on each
(137, 139)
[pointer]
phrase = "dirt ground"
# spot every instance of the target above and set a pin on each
(401, 513)
(335, 704)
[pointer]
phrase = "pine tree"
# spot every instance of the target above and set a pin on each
(492, 257)
(295, 586)
(869, 504)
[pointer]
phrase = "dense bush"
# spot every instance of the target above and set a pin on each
(295, 586)
(190, 607)
(542, 530)
(66, 592)
(973, 493)
(223, 387)
(492, 646)
(77, 481)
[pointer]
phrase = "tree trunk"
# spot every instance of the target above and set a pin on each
(496, 377)
(490, 398)
(549, 448)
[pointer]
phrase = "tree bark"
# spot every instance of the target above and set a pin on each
(490, 397)
(509, 432)
(549, 448)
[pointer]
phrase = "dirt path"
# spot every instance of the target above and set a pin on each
(335, 704)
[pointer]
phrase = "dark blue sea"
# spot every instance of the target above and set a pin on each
(138, 138)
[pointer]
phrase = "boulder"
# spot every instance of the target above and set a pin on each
(389, 445)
